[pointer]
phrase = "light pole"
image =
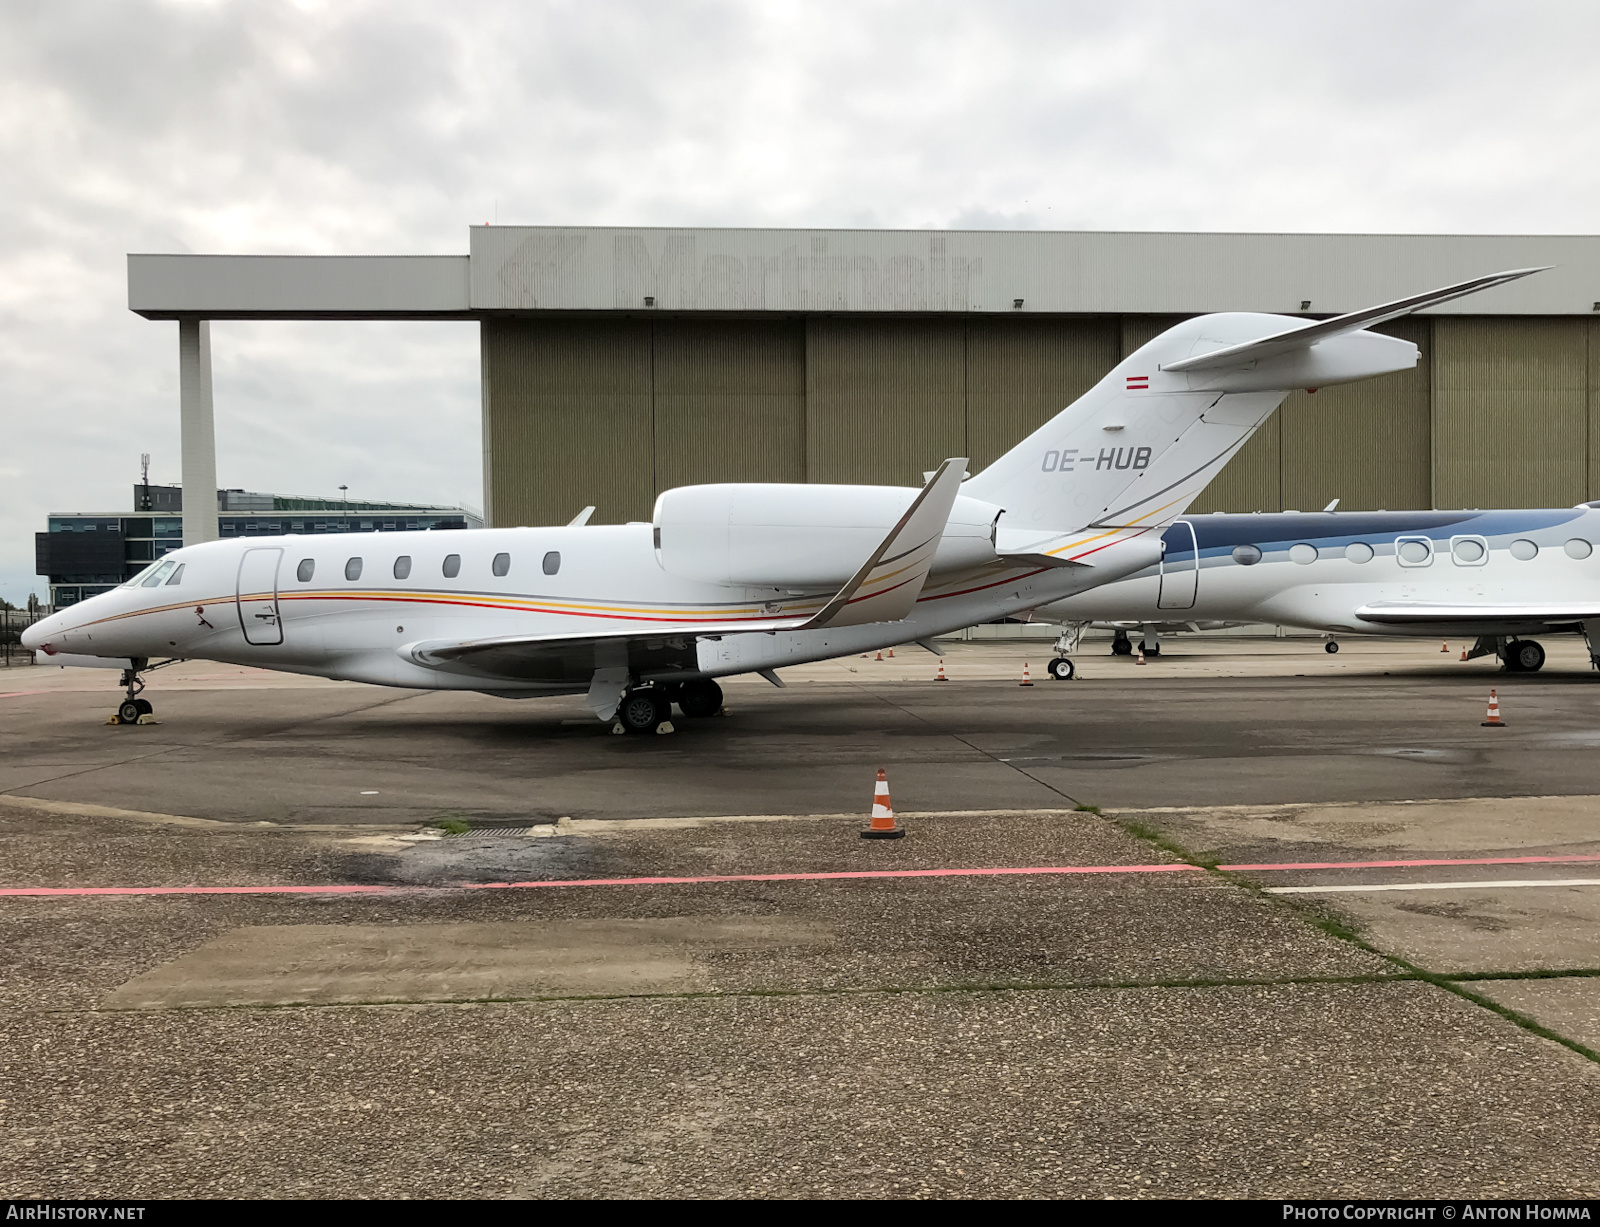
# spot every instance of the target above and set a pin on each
(344, 522)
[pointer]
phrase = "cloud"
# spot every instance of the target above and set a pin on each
(138, 125)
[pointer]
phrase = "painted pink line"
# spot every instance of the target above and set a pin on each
(12, 892)
(209, 890)
(17, 694)
(1483, 860)
(711, 879)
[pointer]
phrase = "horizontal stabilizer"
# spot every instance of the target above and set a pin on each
(1247, 352)
(886, 587)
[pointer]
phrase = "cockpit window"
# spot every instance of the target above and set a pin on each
(161, 571)
(142, 576)
(177, 576)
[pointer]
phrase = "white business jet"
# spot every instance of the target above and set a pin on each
(1499, 577)
(730, 579)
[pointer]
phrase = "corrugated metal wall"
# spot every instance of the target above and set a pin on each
(1511, 412)
(1502, 411)
(885, 398)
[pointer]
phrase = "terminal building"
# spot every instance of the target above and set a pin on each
(84, 552)
(617, 362)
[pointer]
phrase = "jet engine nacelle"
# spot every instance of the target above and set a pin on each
(800, 537)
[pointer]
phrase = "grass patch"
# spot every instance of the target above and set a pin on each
(453, 826)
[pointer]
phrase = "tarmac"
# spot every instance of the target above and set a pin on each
(1288, 925)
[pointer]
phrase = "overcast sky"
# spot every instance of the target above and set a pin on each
(132, 125)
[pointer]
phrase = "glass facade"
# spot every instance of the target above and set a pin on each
(79, 552)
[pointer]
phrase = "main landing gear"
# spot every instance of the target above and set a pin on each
(1516, 655)
(133, 709)
(648, 709)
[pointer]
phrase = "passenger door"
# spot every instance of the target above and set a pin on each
(1180, 568)
(258, 596)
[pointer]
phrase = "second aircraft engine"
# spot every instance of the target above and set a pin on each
(800, 536)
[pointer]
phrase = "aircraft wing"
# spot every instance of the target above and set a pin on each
(574, 659)
(887, 586)
(1247, 352)
(1403, 613)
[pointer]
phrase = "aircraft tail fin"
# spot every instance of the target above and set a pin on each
(1139, 446)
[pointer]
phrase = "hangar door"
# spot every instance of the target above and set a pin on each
(258, 596)
(1180, 567)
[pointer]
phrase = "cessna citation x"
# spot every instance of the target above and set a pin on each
(731, 579)
(1498, 576)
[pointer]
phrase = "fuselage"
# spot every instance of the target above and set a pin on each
(1317, 569)
(353, 606)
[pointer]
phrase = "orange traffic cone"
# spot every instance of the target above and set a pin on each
(939, 676)
(1026, 680)
(1444, 647)
(880, 655)
(1494, 721)
(891, 653)
(1463, 653)
(1140, 661)
(883, 826)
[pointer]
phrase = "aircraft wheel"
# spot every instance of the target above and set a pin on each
(145, 709)
(700, 698)
(1121, 647)
(1061, 669)
(128, 711)
(1525, 656)
(1330, 647)
(1153, 649)
(642, 711)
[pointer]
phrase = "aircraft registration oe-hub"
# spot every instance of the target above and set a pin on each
(730, 579)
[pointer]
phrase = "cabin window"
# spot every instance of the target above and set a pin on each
(177, 576)
(1469, 551)
(1524, 550)
(452, 565)
(352, 569)
(1247, 555)
(159, 574)
(1303, 553)
(306, 569)
(1358, 551)
(1577, 547)
(501, 564)
(1413, 551)
(552, 562)
(402, 567)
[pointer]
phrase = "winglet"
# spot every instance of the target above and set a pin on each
(1309, 334)
(887, 586)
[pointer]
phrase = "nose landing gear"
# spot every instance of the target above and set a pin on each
(133, 709)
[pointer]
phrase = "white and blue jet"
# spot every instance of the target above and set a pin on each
(1498, 577)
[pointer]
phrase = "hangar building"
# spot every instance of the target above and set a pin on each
(619, 362)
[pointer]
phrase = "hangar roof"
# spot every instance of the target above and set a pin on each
(520, 269)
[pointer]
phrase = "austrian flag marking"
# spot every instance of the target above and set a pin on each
(1138, 383)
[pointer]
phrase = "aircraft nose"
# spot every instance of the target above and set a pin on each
(37, 635)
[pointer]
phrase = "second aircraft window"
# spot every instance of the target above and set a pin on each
(352, 569)
(306, 569)
(452, 565)
(502, 564)
(402, 566)
(552, 562)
